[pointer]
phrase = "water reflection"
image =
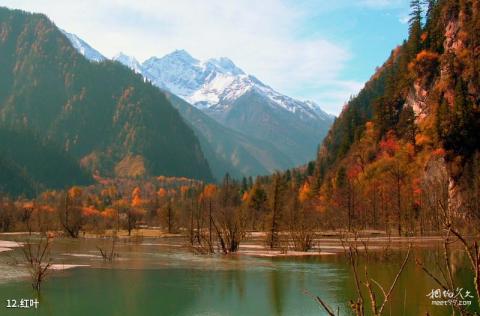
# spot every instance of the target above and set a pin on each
(277, 292)
(151, 280)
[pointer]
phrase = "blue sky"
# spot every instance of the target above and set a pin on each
(320, 50)
(367, 30)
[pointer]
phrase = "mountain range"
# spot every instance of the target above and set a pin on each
(242, 102)
(239, 102)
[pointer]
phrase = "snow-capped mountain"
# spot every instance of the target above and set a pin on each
(83, 48)
(215, 84)
(129, 61)
(240, 102)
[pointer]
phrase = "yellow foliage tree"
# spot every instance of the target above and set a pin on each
(305, 192)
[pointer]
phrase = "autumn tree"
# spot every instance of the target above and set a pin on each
(435, 193)
(167, 211)
(231, 220)
(371, 190)
(70, 212)
(93, 220)
(210, 193)
(394, 163)
(302, 221)
(344, 196)
(44, 213)
(276, 199)
(407, 126)
(135, 211)
(206, 231)
(257, 203)
(7, 211)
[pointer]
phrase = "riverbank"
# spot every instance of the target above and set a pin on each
(326, 243)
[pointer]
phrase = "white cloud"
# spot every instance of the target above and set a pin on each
(259, 36)
(404, 19)
(380, 4)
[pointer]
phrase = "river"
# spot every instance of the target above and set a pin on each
(159, 277)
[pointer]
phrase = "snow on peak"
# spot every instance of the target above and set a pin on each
(177, 72)
(180, 52)
(311, 104)
(128, 61)
(225, 65)
(83, 48)
(216, 83)
(212, 84)
(180, 55)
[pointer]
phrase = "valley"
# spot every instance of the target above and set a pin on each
(189, 187)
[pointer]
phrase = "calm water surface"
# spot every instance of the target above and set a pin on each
(153, 279)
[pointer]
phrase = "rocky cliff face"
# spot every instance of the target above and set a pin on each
(458, 86)
(420, 111)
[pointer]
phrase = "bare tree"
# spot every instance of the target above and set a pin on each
(230, 228)
(168, 216)
(358, 306)
(447, 280)
(302, 226)
(37, 257)
(109, 254)
(26, 216)
(71, 213)
(276, 200)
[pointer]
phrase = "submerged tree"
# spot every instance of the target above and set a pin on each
(37, 257)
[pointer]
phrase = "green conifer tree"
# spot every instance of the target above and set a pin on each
(415, 27)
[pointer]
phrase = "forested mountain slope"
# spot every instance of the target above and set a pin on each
(405, 150)
(101, 114)
(227, 150)
(29, 165)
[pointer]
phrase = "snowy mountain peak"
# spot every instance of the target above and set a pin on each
(177, 72)
(214, 84)
(315, 107)
(180, 55)
(312, 105)
(128, 61)
(83, 48)
(225, 65)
